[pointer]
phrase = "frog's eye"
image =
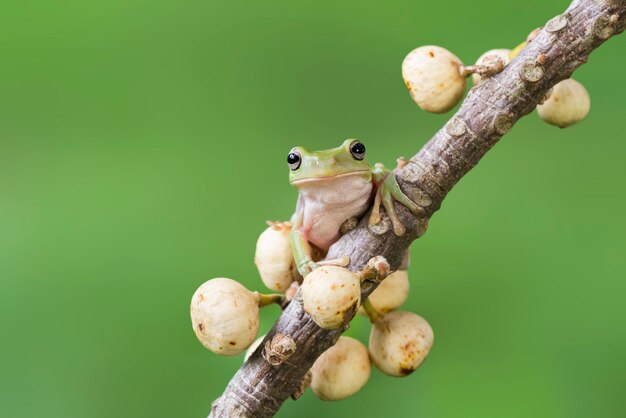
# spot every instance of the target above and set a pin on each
(294, 159)
(357, 149)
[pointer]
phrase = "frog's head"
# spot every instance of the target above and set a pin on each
(309, 166)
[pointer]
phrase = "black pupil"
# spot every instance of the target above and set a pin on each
(293, 158)
(358, 148)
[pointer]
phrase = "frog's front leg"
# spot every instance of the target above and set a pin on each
(388, 190)
(301, 249)
(304, 254)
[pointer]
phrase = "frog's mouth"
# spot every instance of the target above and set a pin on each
(316, 179)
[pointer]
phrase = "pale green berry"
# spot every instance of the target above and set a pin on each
(225, 316)
(391, 293)
(341, 371)
(569, 103)
(433, 76)
(331, 295)
(274, 258)
(399, 342)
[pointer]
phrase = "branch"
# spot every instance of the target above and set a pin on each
(490, 110)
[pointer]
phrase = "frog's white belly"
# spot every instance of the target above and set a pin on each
(328, 204)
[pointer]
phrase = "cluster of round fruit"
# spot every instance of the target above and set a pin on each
(436, 79)
(225, 315)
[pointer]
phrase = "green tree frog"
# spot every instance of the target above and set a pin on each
(337, 185)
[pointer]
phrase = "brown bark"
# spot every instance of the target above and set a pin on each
(490, 110)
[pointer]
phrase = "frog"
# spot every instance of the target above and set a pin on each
(336, 187)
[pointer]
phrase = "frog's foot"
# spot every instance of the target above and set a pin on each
(388, 191)
(343, 261)
(306, 267)
(348, 225)
(375, 216)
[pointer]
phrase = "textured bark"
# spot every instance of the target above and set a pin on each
(490, 110)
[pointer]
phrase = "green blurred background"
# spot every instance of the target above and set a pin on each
(142, 147)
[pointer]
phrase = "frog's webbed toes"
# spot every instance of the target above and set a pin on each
(398, 227)
(343, 261)
(384, 195)
(410, 205)
(306, 267)
(375, 216)
(390, 190)
(309, 266)
(348, 225)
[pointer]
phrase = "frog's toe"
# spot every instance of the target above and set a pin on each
(405, 201)
(348, 225)
(375, 216)
(389, 191)
(343, 261)
(305, 268)
(398, 227)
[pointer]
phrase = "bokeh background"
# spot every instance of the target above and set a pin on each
(142, 148)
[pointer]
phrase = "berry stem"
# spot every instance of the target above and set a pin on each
(265, 300)
(372, 313)
(492, 65)
(377, 269)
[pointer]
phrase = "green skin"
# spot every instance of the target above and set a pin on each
(336, 186)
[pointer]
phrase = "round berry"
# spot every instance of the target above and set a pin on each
(432, 75)
(568, 104)
(274, 258)
(341, 371)
(225, 316)
(399, 342)
(331, 296)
